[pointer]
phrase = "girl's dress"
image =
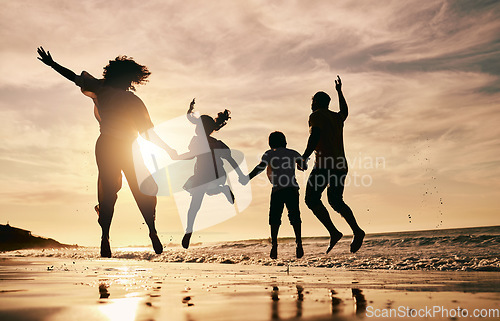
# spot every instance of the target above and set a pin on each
(209, 171)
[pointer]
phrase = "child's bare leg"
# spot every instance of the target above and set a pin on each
(194, 207)
(274, 240)
(292, 205)
(299, 251)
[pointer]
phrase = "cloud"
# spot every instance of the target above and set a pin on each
(420, 78)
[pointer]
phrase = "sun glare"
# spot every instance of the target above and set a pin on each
(154, 157)
(120, 309)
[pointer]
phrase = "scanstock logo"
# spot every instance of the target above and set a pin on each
(157, 174)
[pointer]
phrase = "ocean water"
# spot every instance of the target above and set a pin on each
(464, 249)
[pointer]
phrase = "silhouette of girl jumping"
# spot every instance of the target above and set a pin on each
(121, 115)
(209, 174)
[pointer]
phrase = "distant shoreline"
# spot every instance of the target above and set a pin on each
(13, 238)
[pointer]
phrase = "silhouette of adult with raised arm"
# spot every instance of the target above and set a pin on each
(330, 168)
(121, 116)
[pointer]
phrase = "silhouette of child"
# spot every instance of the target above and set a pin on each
(209, 174)
(280, 162)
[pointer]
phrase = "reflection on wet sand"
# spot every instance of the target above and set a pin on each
(97, 290)
(133, 308)
(124, 309)
(274, 304)
(103, 291)
(360, 300)
(275, 315)
(336, 302)
(300, 299)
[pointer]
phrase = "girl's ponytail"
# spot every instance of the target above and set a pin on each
(221, 119)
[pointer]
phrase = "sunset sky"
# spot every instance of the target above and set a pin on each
(421, 78)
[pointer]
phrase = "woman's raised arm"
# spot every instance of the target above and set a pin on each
(46, 58)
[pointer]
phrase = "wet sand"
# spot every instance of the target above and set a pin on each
(56, 289)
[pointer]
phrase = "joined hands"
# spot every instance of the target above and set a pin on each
(244, 179)
(302, 163)
(171, 152)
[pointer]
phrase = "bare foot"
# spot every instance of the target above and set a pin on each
(186, 239)
(299, 251)
(357, 241)
(274, 252)
(157, 246)
(333, 240)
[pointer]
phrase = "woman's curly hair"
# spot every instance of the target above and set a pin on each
(125, 70)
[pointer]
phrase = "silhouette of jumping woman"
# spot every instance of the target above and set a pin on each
(121, 116)
(330, 168)
(209, 174)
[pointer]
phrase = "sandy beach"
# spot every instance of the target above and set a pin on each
(54, 289)
(249, 160)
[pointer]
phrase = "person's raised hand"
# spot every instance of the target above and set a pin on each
(338, 83)
(191, 106)
(45, 57)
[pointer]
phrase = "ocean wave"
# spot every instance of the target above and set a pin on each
(462, 240)
(346, 261)
(476, 249)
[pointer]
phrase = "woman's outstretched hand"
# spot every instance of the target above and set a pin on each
(45, 57)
